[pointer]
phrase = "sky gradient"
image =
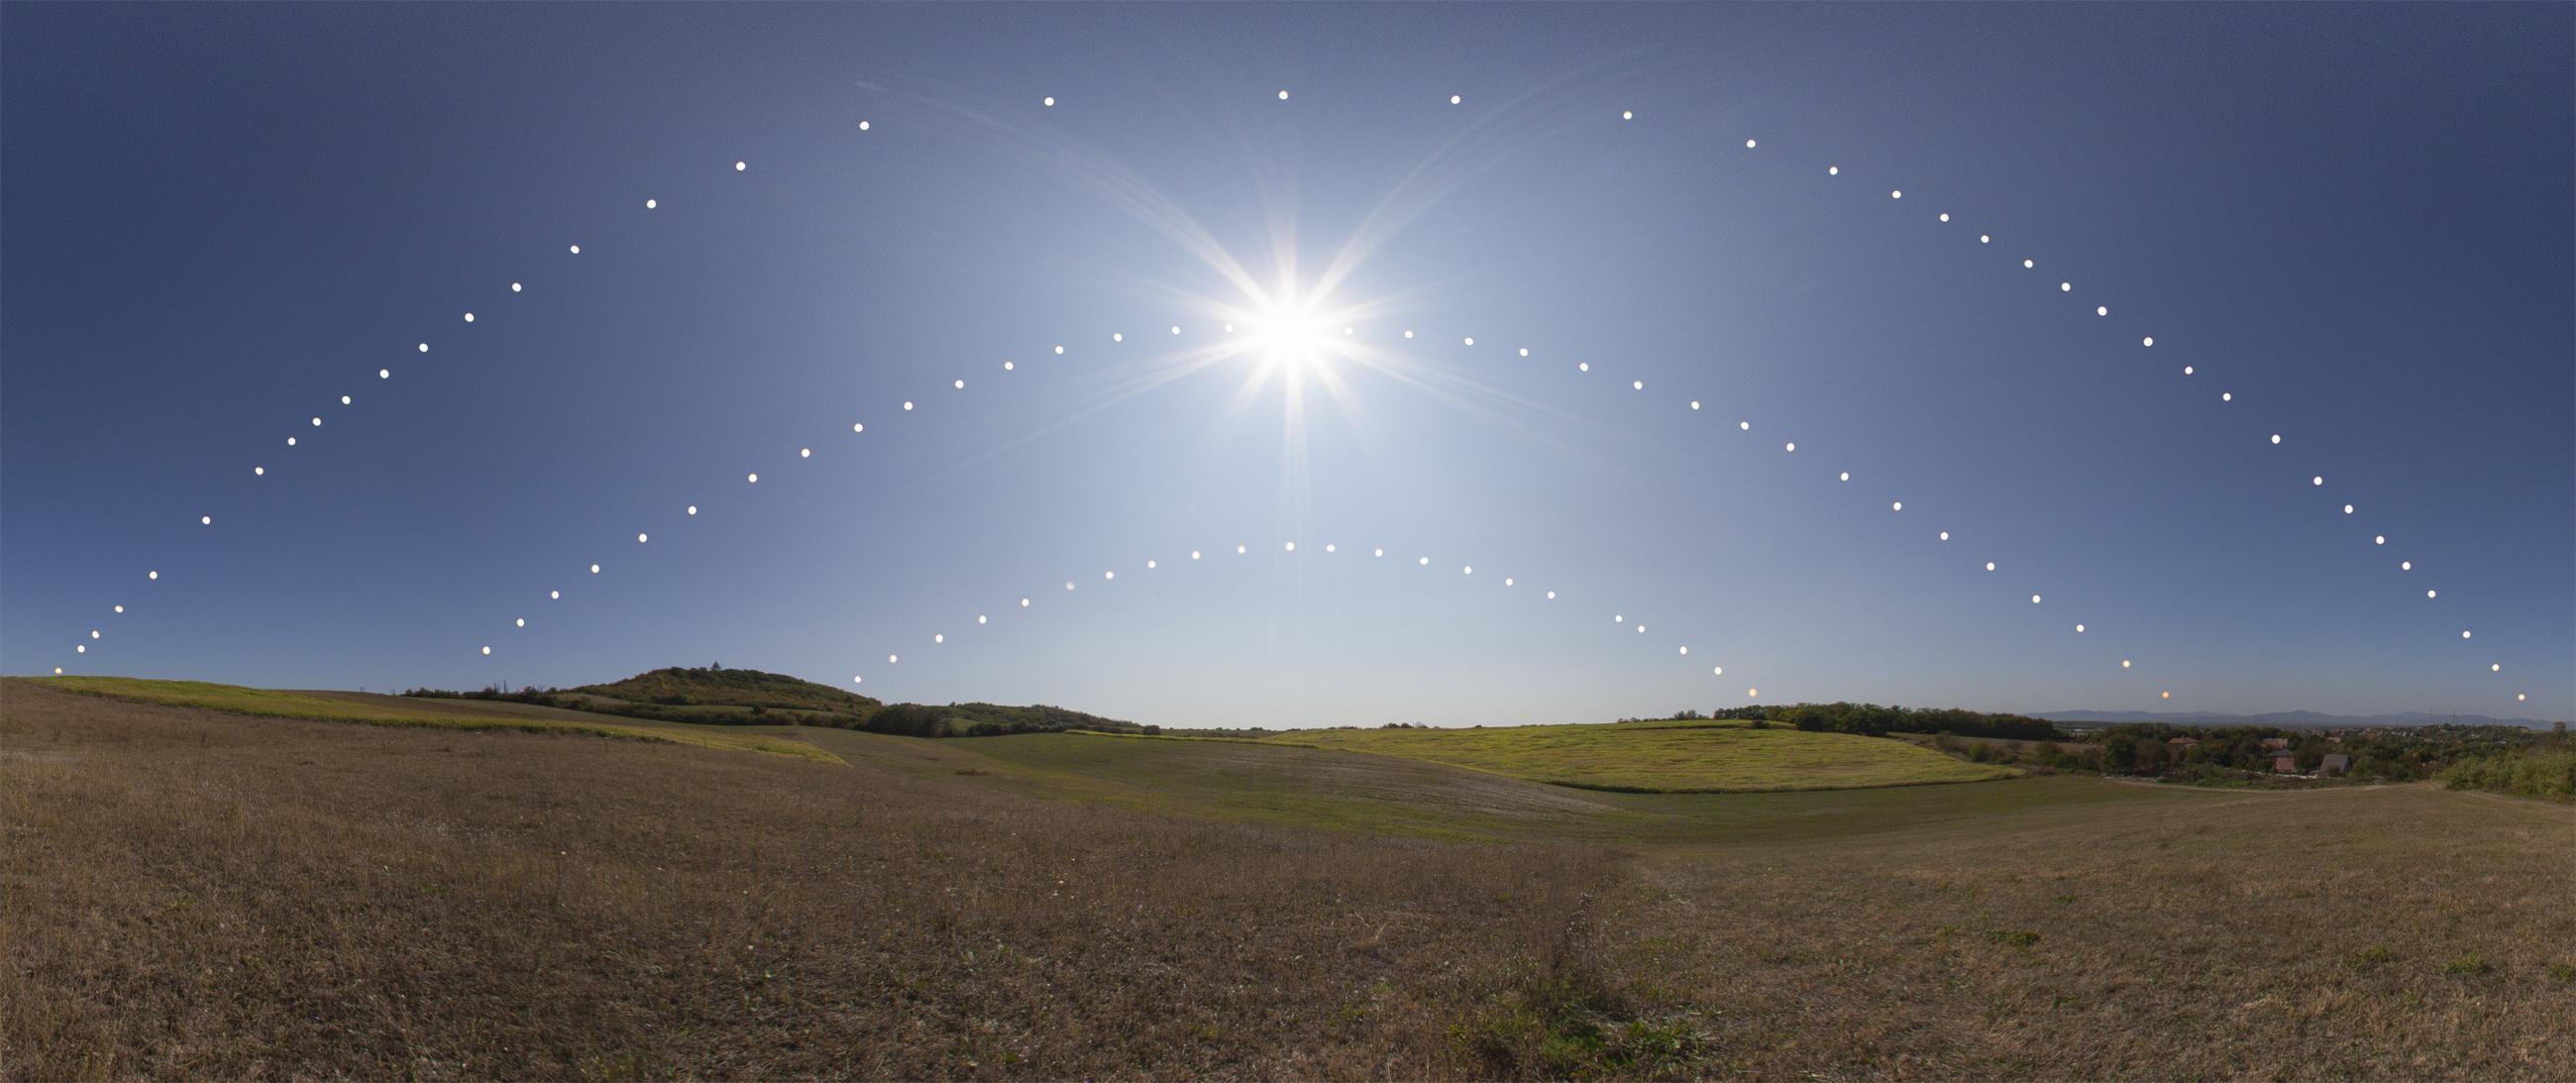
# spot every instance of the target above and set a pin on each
(2356, 220)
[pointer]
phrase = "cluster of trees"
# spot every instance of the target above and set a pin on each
(1872, 720)
(2536, 771)
(714, 695)
(2219, 754)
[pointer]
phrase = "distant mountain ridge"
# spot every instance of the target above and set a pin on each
(2292, 719)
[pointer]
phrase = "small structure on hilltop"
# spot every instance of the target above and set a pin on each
(2335, 763)
(2285, 764)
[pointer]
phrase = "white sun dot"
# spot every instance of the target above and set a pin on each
(1551, 596)
(1833, 170)
(83, 648)
(2379, 539)
(1751, 693)
(594, 569)
(259, 471)
(1425, 562)
(1468, 569)
(1844, 476)
(2518, 697)
(740, 166)
(1059, 350)
(1176, 329)
(2079, 628)
(2317, 480)
(384, 374)
(2150, 340)
(1625, 114)
(1194, 554)
(1618, 618)
(1746, 426)
(469, 317)
(1150, 565)
(1895, 195)
(1380, 552)
(1048, 101)
(2276, 438)
(941, 637)
(858, 680)
(1748, 144)
(1024, 603)
(344, 400)
(1945, 535)
(1638, 385)
(2495, 667)
(650, 204)
(1068, 584)
(2464, 633)
(1525, 351)
(2405, 565)
(1507, 581)
(1454, 99)
(290, 441)
(1641, 629)
(2101, 310)
(423, 347)
(1283, 95)
(1289, 546)
(1117, 336)
(863, 125)
(93, 633)
(120, 609)
(1685, 650)
(1945, 216)
(752, 478)
(907, 404)
(576, 249)
(58, 671)
(2164, 695)
(1408, 334)
(693, 509)
(980, 618)
(487, 650)
(1990, 565)
(642, 538)
(2186, 370)
(2034, 599)
(514, 287)
(2124, 663)
(1328, 547)
(1896, 506)
(1006, 366)
(519, 623)
(1790, 446)
(2064, 287)
(206, 520)
(554, 595)
(1471, 340)
(1238, 550)
(317, 422)
(891, 659)
(2226, 396)
(1105, 576)
(1583, 366)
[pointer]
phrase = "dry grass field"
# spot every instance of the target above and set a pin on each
(189, 893)
(1665, 757)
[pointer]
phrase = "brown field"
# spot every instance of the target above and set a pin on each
(186, 893)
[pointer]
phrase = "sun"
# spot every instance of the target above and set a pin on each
(1288, 334)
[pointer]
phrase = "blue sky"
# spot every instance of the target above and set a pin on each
(215, 221)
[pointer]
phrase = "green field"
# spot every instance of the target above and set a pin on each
(1665, 757)
(439, 714)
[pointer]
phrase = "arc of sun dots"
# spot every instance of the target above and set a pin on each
(2064, 286)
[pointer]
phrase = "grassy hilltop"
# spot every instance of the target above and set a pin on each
(190, 890)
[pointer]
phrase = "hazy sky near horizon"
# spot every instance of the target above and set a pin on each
(2355, 220)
